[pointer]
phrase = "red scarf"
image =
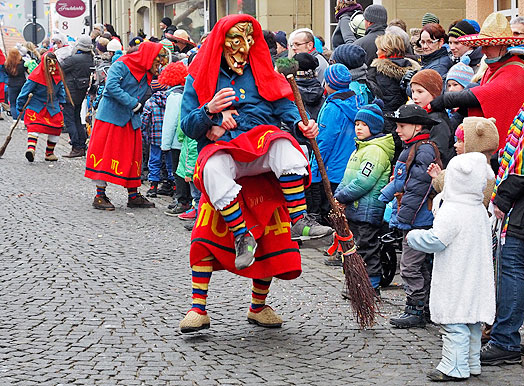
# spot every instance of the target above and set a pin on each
(38, 74)
(206, 65)
(140, 62)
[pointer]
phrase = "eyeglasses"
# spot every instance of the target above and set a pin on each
(295, 45)
(428, 42)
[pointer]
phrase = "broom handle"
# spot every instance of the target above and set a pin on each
(21, 113)
(325, 180)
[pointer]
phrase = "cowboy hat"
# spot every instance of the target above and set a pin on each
(180, 36)
(495, 31)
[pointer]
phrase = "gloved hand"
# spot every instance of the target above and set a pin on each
(406, 79)
(437, 104)
(402, 226)
(138, 108)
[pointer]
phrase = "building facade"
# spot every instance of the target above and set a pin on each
(133, 17)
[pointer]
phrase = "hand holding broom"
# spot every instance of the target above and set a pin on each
(8, 139)
(361, 294)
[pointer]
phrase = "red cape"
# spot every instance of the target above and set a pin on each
(139, 62)
(206, 65)
(38, 74)
(264, 209)
(501, 97)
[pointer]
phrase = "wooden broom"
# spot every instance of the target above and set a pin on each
(10, 135)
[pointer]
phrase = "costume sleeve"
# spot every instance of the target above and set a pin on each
(424, 241)
(345, 30)
(451, 100)
(371, 169)
(61, 94)
(113, 87)
(418, 185)
(195, 122)
(28, 87)
(509, 191)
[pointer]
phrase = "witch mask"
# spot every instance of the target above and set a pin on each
(238, 42)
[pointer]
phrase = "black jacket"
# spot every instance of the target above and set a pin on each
(367, 42)
(443, 136)
(17, 80)
(312, 94)
(510, 193)
(77, 71)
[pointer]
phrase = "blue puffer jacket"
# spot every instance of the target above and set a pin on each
(336, 138)
(413, 211)
(438, 61)
(121, 94)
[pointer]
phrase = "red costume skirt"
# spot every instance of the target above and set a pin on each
(115, 154)
(264, 209)
(43, 123)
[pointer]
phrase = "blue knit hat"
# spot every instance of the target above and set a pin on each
(337, 77)
(349, 55)
(372, 116)
(281, 39)
(460, 73)
(474, 23)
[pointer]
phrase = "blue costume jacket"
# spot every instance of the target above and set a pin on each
(121, 94)
(39, 100)
(336, 137)
(253, 110)
(413, 211)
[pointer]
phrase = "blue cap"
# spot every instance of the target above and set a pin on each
(372, 116)
(337, 77)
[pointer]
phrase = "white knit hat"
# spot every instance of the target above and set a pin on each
(114, 45)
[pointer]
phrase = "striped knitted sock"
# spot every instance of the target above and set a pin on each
(100, 191)
(31, 142)
(234, 219)
(259, 294)
(293, 188)
(200, 277)
(132, 193)
(50, 148)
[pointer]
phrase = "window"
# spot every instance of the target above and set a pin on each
(331, 22)
(509, 8)
(241, 6)
(187, 15)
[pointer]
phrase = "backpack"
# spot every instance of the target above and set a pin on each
(357, 24)
(362, 92)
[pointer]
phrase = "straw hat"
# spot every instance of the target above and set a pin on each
(180, 36)
(495, 31)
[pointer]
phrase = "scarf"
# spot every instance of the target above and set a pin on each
(511, 161)
(348, 9)
(141, 61)
(205, 67)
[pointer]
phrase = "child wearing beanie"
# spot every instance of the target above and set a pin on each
(475, 134)
(336, 123)
(367, 172)
(310, 88)
(426, 85)
(458, 78)
(152, 119)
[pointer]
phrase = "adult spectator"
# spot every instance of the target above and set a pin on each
(281, 39)
(77, 72)
(164, 24)
(429, 18)
(269, 37)
(97, 31)
(376, 17)
(344, 11)
(500, 92)
(435, 55)
(109, 28)
(310, 88)
(16, 74)
(181, 41)
(517, 26)
(303, 40)
(470, 56)
(395, 30)
(399, 23)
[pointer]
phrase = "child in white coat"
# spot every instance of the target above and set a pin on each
(462, 288)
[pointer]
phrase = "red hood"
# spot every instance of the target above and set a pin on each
(38, 74)
(139, 62)
(206, 65)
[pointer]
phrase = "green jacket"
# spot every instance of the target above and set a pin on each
(367, 172)
(188, 155)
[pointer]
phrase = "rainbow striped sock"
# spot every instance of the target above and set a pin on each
(234, 219)
(100, 191)
(200, 277)
(31, 142)
(259, 293)
(132, 193)
(293, 188)
(50, 148)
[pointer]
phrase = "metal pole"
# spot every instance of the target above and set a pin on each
(212, 13)
(91, 21)
(34, 22)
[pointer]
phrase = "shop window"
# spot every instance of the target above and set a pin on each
(509, 8)
(241, 6)
(330, 6)
(187, 15)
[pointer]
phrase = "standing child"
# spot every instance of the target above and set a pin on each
(336, 137)
(458, 78)
(462, 287)
(367, 172)
(426, 85)
(411, 186)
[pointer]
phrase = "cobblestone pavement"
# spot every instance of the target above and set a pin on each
(94, 298)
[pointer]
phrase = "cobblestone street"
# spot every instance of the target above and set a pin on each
(94, 298)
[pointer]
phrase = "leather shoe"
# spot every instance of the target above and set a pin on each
(76, 152)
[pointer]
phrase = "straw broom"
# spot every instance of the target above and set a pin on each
(363, 298)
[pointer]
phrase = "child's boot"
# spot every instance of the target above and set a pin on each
(152, 192)
(166, 189)
(31, 147)
(413, 316)
(49, 151)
